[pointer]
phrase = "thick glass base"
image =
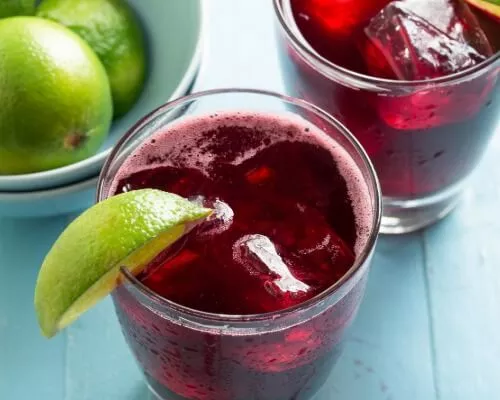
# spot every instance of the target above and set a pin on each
(153, 395)
(271, 382)
(409, 215)
(156, 389)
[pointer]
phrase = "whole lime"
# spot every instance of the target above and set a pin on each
(111, 28)
(56, 105)
(10, 8)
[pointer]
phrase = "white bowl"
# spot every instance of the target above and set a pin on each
(174, 30)
(44, 203)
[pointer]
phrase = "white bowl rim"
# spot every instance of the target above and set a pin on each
(51, 192)
(96, 161)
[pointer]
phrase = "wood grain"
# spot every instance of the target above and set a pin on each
(387, 356)
(462, 265)
(30, 366)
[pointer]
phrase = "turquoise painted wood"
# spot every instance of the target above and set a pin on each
(462, 257)
(427, 330)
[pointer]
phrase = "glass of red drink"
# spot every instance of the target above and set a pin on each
(416, 81)
(253, 302)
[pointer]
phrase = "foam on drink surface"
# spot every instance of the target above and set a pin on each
(195, 142)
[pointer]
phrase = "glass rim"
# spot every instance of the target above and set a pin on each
(373, 80)
(361, 259)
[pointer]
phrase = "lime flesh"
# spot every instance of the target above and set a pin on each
(83, 266)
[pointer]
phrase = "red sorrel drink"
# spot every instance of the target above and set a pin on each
(415, 81)
(253, 302)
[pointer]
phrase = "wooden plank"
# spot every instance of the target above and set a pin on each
(30, 366)
(388, 351)
(99, 364)
(240, 50)
(463, 273)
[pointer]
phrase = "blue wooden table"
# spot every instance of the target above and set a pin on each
(429, 328)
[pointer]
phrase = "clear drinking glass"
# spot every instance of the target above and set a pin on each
(423, 137)
(190, 354)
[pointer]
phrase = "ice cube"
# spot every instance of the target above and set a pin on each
(219, 221)
(338, 17)
(424, 41)
(453, 17)
(415, 40)
(260, 175)
(436, 106)
(260, 257)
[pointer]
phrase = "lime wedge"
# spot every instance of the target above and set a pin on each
(83, 265)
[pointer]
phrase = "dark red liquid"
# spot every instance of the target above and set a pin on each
(284, 230)
(291, 193)
(420, 141)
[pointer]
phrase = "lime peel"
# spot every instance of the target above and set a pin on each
(114, 32)
(491, 7)
(83, 266)
(11, 8)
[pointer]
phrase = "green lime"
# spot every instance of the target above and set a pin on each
(113, 31)
(127, 230)
(56, 105)
(10, 8)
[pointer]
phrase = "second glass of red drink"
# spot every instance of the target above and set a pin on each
(253, 302)
(415, 80)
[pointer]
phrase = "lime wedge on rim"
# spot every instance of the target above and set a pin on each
(83, 266)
